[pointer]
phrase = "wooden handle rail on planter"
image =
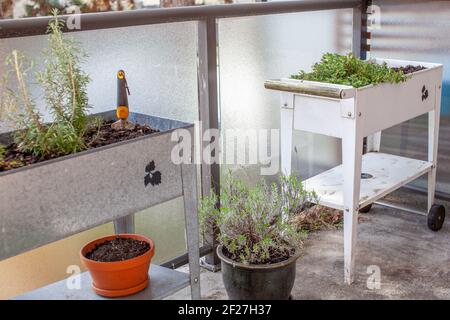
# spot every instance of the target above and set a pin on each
(311, 88)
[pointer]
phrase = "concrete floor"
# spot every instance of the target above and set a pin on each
(414, 262)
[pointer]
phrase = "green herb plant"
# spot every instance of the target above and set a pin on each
(254, 224)
(64, 85)
(350, 70)
(19, 107)
(2, 152)
(63, 80)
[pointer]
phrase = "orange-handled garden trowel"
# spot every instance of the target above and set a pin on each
(122, 110)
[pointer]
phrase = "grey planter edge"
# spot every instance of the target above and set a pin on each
(108, 115)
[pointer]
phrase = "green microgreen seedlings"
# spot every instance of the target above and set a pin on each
(349, 70)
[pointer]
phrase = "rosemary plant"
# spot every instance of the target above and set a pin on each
(20, 107)
(64, 85)
(63, 80)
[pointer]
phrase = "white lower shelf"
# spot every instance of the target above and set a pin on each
(389, 172)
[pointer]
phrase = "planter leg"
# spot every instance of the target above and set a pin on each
(189, 180)
(286, 128)
(433, 138)
(124, 224)
(373, 142)
(352, 144)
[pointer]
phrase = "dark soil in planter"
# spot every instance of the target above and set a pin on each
(107, 135)
(96, 137)
(409, 69)
(118, 249)
(276, 255)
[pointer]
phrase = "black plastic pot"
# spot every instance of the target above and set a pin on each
(258, 282)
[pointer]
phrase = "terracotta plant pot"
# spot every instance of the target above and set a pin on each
(118, 278)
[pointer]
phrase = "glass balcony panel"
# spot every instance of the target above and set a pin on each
(253, 49)
(419, 32)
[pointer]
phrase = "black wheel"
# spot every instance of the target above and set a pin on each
(436, 217)
(366, 209)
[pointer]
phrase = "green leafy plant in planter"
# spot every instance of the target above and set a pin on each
(2, 152)
(259, 244)
(64, 85)
(63, 80)
(350, 70)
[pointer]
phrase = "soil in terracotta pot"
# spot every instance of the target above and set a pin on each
(409, 69)
(118, 249)
(96, 137)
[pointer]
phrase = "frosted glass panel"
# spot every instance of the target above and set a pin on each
(417, 31)
(254, 49)
(159, 60)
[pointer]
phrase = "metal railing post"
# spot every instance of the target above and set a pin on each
(365, 34)
(125, 224)
(360, 34)
(209, 115)
(360, 48)
(357, 30)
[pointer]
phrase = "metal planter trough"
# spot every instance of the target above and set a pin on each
(51, 200)
(353, 114)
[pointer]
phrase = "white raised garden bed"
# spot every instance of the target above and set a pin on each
(353, 114)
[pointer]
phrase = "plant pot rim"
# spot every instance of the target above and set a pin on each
(266, 266)
(143, 256)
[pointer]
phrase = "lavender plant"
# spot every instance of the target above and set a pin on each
(255, 223)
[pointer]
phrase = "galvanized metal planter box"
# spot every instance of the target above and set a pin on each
(51, 200)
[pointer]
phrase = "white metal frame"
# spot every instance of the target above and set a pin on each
(356, 114)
